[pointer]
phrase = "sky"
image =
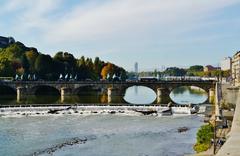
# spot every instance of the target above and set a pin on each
(155, 33)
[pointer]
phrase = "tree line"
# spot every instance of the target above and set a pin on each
(21, 60)
(196, 70)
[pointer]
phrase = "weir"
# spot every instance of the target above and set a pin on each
(44, 110)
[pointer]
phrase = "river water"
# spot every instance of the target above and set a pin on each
(107, 135)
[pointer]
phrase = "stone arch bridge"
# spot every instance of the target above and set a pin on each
(161, 88)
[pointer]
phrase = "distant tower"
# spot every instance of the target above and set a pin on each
(136, 68)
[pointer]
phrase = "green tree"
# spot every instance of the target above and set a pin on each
(44, 66)
(31, 56)
(97, 67)
(204, 136)
(174, 71)
(226, 73)
(25, 63)
(14, 51)
(6, 68)
(68, 60)
(196, 68)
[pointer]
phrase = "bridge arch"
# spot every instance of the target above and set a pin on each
(45, 90)
(86, 88)
(139, 94)
(7, 90)
(206, 88)
(122, 89)
(185, 94)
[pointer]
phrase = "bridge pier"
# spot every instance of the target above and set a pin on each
(65, 93)
(211, 95)
(159, 93)
(21, 94)
(109, 93)
(163, 96)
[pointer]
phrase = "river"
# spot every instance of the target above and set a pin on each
(108, 135)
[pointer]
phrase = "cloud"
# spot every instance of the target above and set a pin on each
(27, 14)
(98, 20)
(106, 27)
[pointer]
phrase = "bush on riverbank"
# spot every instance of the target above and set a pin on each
(204, 136)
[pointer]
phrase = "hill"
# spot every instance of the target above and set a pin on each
(16, 58)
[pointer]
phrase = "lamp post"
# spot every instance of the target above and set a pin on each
(214, 136)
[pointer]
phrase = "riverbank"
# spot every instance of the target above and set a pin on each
(18, 111)
(227, 128)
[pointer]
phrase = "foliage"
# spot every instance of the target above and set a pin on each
(25, 63)
(44, 65)
(196, 68)
(31, 56)
(174, 71)
(67, 61)
(204, 136)
(6, 68)
(214, 73)
(226, 73)
(107, 70)
(201, 147)
(97, 67)
(19, 59)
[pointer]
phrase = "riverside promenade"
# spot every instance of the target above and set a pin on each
(231, 147)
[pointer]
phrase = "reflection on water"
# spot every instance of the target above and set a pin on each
(133, 95)
(140, 95)
(186, 95)
(89, 97)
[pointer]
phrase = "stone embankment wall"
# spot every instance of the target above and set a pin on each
(230, 94)
(231, 99)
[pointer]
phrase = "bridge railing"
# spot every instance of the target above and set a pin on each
(105, 82)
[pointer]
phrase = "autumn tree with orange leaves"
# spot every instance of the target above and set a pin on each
(107, 69)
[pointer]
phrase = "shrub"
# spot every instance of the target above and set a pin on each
(204, 136)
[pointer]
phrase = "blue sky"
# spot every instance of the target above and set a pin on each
(154, 33)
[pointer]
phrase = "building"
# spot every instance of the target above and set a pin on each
(236, 69)
(226, 64)
(5, 41)
(210, 68)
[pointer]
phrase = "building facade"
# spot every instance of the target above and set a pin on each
(236, 69)
(209, 68)
(226, 64)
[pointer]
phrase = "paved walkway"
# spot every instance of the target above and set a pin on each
(232, 146)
